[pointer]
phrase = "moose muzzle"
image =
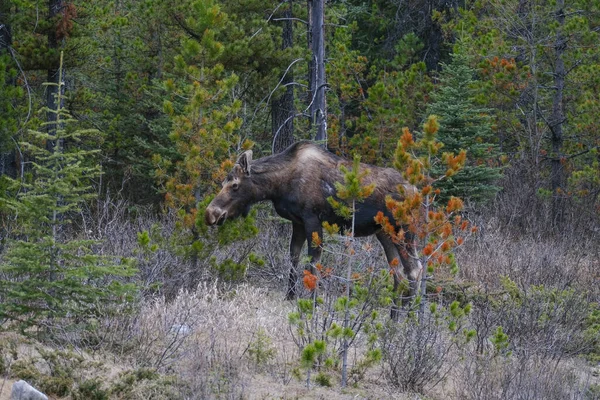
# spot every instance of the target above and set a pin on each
(215, 215)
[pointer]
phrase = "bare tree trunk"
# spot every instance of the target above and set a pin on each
(318, 106)
(434, 38)
(282, 108)
(5, 34)
(8, 164)
(54, 8)
(557, 119)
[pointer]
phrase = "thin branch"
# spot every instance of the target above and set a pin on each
(577, 64)
(282, 78)
(291, 19)
(572, 155)
(268, 19)
(267, 98)
(337, 25)
(184, 26)
(279, 129)
(314, 95)
(14, 57)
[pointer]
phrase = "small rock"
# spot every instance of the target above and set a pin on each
(22, 390)
(182, 329)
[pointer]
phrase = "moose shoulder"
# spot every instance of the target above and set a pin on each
(298, 181)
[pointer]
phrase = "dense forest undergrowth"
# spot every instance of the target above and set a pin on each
(532, 324)
(119, 120)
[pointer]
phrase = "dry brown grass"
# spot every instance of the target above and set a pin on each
(212, 353)
(527, 260)
(233, 341)
(213, 358)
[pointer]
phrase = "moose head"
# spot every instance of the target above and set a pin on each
(235, 197)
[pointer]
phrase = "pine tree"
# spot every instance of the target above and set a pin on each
(10, 94)
(397, 98)
(346, 77)
(539, 65)
(350, 192)
(121, 93)
(206, 112)
(47, 277)
(436, 223)
(465, 126)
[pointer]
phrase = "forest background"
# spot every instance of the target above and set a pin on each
(120, 119)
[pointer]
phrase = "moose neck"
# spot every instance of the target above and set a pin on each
(268, 176)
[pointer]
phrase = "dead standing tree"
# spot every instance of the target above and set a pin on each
(317, 81)
(282, 107)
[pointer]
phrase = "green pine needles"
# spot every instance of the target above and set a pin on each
(465, 125)
(46, 276)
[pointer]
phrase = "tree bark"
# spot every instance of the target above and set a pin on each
(5, 33)
(8, 162)
(282, 107)
(317, 80)
(54, 8)
(433, 38)
(557, 120)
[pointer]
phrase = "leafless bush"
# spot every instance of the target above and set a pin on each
(417, 352)
(166, 263)
(214, 369)
(162, 329)
(530, 260)
(548, 323)
(518, 205)
(116, 226)
(206, 337)
(498, 377)
(272, 244)
(524, 206)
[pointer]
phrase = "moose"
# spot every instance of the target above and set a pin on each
(298, 181)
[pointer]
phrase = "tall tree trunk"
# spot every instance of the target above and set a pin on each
(557, 119)
(54, 8)
(5, 33)
(282, 107)
(433, 38)
(318, 106)
(8, 163)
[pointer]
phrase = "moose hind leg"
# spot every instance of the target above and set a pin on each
(296, 243)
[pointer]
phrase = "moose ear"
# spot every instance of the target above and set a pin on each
(244, 161)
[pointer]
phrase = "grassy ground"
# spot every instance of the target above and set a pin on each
(234, 341)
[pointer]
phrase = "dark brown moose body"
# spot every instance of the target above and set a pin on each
(298, 181)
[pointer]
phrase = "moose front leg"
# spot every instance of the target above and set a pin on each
(391, 254)
(313, 226)
(300, 234)
(298, 239)
(411, 263)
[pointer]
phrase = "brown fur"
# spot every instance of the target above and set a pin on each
(298, 181)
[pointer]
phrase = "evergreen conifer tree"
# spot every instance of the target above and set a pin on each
(465, 125)
(10, 94)
(47, 277)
